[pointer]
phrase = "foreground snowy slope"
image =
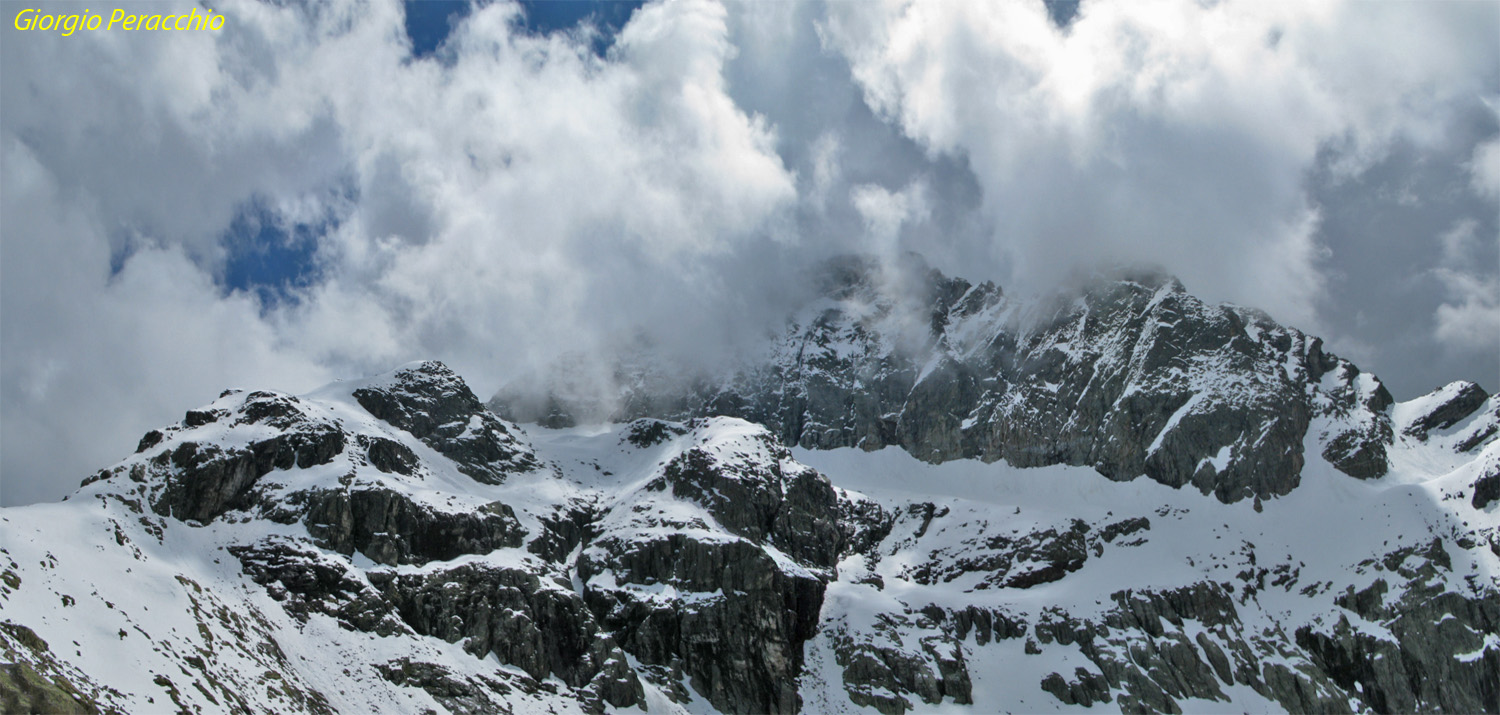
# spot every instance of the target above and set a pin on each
(390, 545)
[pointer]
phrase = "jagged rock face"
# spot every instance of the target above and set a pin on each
(391, 529)
(189, 475)
(525, 620)
(387, 545)
(1416, 669)
(206, 480)
(567, 590)
(714, 570)
(1487, 488)
(1452, 426)
(305, 581)
(1131, 376)
(1155, 649)
(1450, 404)
(736, 628)
(754, 498)
(434, 405)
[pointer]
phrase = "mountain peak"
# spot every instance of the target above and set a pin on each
(1125, 372)
(726, 549)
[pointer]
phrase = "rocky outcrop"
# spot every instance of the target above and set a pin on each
(459, 694)
(23, 689)
(890, 673)
(1129, 375)
(1450, 405)
(1486, 488)
(208, 481)
(1150, 652)
(699, 562)
(194, 477)
(723, 594)
(389, 528)
(756, 499)
(520, 617)
(514, 614)
(1434, 653)
(305, 581)
(432, 403)
(734, 628)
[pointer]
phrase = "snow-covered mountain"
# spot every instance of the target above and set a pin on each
(923, 495)
(1129, 375)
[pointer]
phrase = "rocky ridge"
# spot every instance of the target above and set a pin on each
(390, 544)
(1128, 374)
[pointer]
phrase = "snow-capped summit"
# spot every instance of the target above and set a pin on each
(1127, 374)
(919, 496)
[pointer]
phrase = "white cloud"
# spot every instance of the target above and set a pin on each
(885, 213)
(1486, 168)
(90, 357)
(520, 198)
(826, 170)
(516, 197)
(1167, 132)
(1469, 319)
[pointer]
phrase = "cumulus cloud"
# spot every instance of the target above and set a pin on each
(1470, 317)
(1486, 168)
(567, 189)
(1177, 133)
(89, 355)
(514, 197)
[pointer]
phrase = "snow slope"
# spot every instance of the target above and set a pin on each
(701, 566)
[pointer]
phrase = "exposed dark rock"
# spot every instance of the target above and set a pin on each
(520, 617)
(1124, 527)
(985, 624)
(1478, 438)
(24, 690)
(1419, 670)
(389, 456)
(1085, 689)
(306, 582)
(881, 673)
(198, 418)
(738, 638)
(1465, 398)
(647, 432)
(711, 572)
(1009, 561)
(1147, 662)
(863, 525)
(206, 480)
(389, 528)
(149, 440)
(432, 403)
(760, 502)
(565, 529)
(461, 695)
(1487, 487)
(1130, 376)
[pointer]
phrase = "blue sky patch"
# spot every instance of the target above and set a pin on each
(270, 257)
(429, 22)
